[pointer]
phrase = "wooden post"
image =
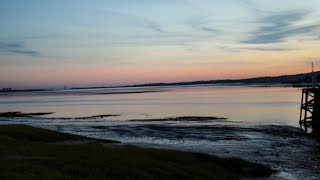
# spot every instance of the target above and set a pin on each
(306, 110)
(300, 122)
(316, 113)
(310, 109)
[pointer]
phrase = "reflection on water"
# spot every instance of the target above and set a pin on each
(262, 122)
(277, 105)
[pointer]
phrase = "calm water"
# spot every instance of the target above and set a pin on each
(267, 105)
(262, 122)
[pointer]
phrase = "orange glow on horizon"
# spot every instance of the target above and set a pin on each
(147, 74)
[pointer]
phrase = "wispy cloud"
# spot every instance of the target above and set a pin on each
(239, 49)
(277, 28)
(201, 24)
(154, 26)
(208, 29)
(270, 49)
(17, 48)
(133, 20)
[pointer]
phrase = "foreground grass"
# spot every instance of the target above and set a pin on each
(33, 153)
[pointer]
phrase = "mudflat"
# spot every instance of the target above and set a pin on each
(28, 152)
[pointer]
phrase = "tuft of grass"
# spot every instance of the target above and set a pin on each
(27, 153)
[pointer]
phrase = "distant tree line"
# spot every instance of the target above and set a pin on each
(306, 79)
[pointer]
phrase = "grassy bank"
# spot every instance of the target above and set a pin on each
(33, 153)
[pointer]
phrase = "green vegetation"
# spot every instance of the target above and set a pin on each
(33, 153)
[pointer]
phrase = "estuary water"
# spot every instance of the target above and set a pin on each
(257, 123)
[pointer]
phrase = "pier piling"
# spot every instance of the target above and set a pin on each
(310, 110)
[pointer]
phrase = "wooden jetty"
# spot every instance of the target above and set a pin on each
(310, 109)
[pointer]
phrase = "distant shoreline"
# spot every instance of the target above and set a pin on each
(75, 92)
(295, 80)
(143, 90)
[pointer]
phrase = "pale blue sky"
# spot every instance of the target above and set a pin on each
(113, 42)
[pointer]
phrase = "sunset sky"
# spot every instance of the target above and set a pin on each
(49, 44)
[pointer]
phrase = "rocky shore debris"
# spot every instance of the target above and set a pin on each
(20, 114)
(183, 118)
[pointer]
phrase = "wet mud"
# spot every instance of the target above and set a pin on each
(289, 150)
